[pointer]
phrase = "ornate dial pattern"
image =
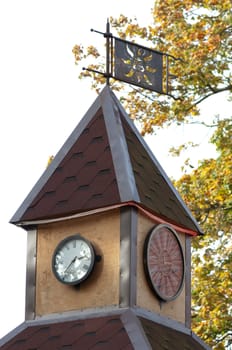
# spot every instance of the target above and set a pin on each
(165, 262)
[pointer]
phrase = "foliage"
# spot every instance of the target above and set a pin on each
(208, 193)
(198, 33)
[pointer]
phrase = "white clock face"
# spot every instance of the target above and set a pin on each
(73, 260)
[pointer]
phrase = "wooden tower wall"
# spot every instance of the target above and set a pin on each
(118, 280)
(176, 309)
(101, 288)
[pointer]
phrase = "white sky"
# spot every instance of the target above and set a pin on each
(41, 102)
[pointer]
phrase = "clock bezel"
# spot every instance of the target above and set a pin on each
(92, 262)
(152, 285)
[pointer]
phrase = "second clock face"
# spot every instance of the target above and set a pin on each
(73, 260)
(164, 262)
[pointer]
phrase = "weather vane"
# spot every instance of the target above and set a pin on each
(135, 64)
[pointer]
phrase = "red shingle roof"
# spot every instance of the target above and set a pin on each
(104, 162)
(118, 331)
(84, 179)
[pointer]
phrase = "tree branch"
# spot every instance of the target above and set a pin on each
(214, 91)
(204, 124)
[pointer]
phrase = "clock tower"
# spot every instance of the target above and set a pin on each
(108, 262)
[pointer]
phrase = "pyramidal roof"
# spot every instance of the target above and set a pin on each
(104, 162)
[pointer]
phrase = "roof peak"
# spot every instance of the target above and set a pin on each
(105, 161)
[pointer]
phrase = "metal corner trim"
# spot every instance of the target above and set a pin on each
(135, 331)
(9, 336)
(128, 256)
(119, 150)
(31, 275)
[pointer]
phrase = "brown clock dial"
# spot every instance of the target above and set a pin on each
(164, 262)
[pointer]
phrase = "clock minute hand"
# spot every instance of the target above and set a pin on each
(73, 260)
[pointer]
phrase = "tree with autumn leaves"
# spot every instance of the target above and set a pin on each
(198, 33)
(207, 191)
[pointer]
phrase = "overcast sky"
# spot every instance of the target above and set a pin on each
(41, 102)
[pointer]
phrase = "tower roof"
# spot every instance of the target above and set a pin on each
(104, 162)
(127, 329)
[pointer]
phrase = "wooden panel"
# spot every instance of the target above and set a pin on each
(102, 287)
(145, 296)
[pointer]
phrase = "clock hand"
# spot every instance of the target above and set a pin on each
(82, 257)
(73, 260)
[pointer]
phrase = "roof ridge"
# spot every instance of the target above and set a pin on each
(105, 161)
(121, 159)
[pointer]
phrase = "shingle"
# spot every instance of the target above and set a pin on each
(103, 332)
(104, 162)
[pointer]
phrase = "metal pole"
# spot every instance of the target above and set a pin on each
(107, 52)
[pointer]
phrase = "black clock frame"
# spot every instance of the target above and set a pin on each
(93, 259)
